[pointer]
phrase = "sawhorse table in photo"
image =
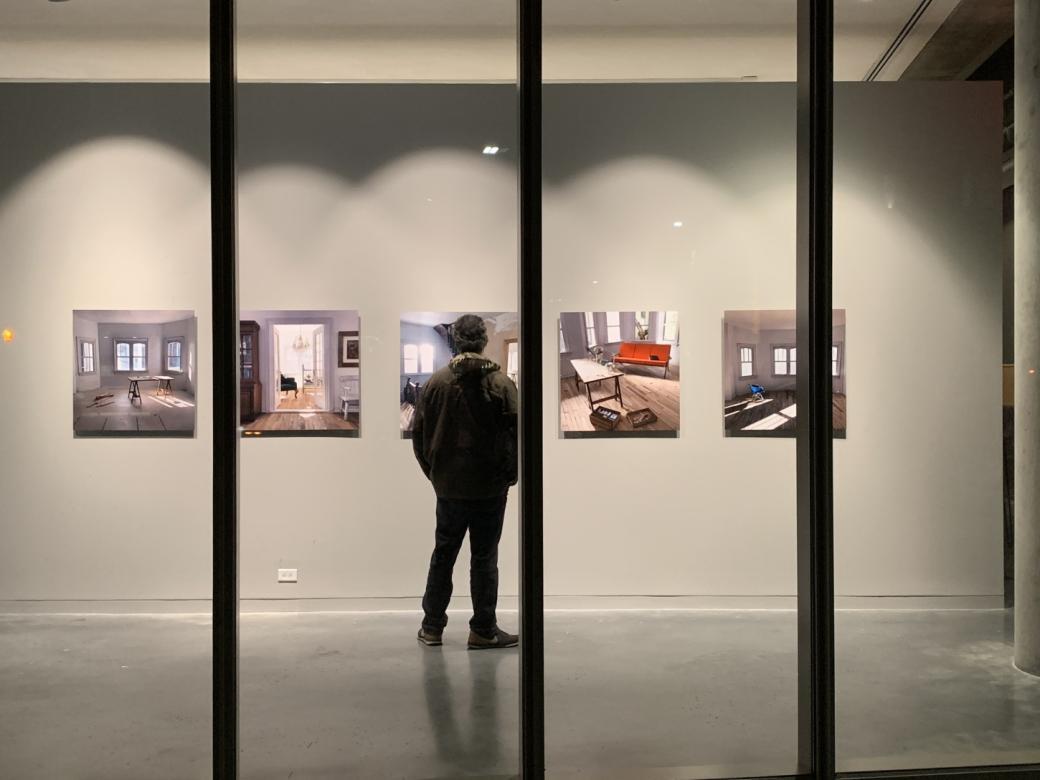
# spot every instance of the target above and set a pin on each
(590, 373)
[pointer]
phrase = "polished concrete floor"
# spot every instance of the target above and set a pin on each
(352, 695)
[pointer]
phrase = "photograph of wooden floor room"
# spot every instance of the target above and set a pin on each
(299, 373)
(134, 373)
(760, 373)
(619, 374)
(428, 344)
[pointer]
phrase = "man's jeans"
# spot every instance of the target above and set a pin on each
(483, 518)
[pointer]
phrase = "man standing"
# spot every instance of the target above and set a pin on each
(464, 437)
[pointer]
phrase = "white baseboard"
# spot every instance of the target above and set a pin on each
(411, 604)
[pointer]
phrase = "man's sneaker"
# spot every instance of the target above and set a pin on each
(499, 639)
(430, 638)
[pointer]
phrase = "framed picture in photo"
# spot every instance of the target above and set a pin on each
(349, 349)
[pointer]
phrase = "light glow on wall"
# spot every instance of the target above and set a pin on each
(8, 335)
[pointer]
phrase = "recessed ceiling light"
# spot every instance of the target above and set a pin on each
(677, 224)
(490, 149)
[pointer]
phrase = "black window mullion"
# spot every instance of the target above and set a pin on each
(529, 141)
(225, 388)
(816, 749)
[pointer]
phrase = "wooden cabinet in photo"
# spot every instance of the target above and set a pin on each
(250, 386)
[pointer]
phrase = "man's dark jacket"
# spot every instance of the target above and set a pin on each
(464, 429)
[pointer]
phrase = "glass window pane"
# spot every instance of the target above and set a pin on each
(645, 209)
(105, 537)
(377, 173)
(930, 574)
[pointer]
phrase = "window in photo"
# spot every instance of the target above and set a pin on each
(131, 355)
(747, 362)
(613, 327)
(87, 363)
(174, 355)
(783, 361)
(411, 359)
(426, 359)
(671, 327)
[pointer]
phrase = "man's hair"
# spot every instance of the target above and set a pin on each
(470, 334)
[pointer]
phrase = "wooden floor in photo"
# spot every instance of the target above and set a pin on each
(774, 416)
(407, 414)
(309, 398)
(641, 388)
(307, 421)
(109, 411)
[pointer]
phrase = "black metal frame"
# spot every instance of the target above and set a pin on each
(815, 424)
(1011, 772)
(816, 732)
(225, 387)
(532, 639)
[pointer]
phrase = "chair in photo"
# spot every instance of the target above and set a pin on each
(289, 383)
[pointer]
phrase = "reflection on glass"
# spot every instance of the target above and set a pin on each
(105, 483)
(923, 489)
(669, 548)
(377, 190)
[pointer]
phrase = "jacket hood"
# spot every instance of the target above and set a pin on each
(467, 363)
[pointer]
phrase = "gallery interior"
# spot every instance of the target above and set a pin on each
(379, 146)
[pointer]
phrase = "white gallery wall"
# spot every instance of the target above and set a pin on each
(103, 205)
(377, 198)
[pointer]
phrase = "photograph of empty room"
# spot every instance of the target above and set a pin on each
(134, 373)
(428, 344)
(619, 373)
(760, 373)
(300, 373)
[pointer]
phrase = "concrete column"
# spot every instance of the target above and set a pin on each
(1027, 336)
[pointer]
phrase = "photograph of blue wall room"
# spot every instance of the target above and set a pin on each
(427, 344)
(619, 373)
(300, 373)
(760, 373)
(134, 373)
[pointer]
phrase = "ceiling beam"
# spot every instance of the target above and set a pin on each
(968, 37)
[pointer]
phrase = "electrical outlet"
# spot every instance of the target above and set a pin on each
(288, 575)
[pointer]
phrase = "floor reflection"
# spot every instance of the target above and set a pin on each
(348, 695)
(468, 738)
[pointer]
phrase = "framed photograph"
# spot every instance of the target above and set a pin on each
(134, 373)
(428, 344)
(760, 373)
(349, 349)
(293, 380)
(628, 359)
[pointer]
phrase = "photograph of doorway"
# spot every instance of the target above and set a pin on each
(293, 380)
(299, 367)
